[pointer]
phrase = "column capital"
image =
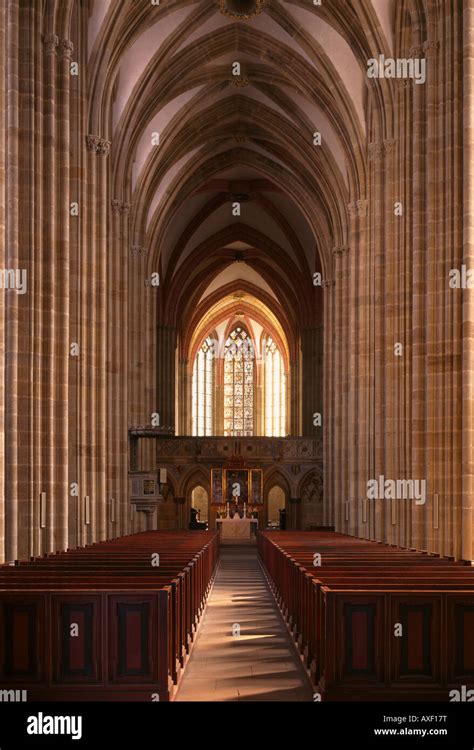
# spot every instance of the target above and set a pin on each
(119, 206)
(416, 51)
(137, 250)
(98, 145)
(431, 47)
(50, 43)
(329, 283)
(389, 146)
(358, 208)
(376, 151)
(66, 48)
(379, 149)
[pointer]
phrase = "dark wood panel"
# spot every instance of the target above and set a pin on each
(22, 639)
(132, 622)
(76, 657)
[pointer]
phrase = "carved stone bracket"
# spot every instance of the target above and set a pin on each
(338, 252)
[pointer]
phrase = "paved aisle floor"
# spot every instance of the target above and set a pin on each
(262, 663)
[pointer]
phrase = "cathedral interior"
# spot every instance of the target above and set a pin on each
(227, 247)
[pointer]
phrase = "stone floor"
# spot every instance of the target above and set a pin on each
(259, 665)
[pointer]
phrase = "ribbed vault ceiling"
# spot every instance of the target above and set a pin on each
(167, 69)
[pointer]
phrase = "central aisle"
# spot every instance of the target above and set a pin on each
(261, 664)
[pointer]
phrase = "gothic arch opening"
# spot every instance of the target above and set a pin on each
(276, 502)
(200, 503)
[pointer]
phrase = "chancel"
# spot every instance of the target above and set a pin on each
(237, 350)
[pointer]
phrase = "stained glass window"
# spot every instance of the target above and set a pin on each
(275, 390)
(203, 389)
(239, 359)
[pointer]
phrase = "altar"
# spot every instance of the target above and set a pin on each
(237, 529)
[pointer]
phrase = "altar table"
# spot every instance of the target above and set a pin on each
(237, 529)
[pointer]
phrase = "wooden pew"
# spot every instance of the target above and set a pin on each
(343, 615)
(135, 622)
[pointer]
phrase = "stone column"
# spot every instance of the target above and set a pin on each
(4, 44)
(359, 364)
(94, 353)
(339, 381)
(328, 410)
(295, 398)
(293, 514)
(377, 508)
(166, 376)
(136, 286)
(182, 521)
(61, 294)
(185, 384)
(312, 344)
(117, 367)
(468, 298)
(436, 295)
(454, 151)
(393, 364)
(418, 274)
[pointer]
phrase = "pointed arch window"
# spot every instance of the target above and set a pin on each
(203, 389)
(275, 390)
(239, 366)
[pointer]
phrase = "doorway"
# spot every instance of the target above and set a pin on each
(200, 502)
(276, 502)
